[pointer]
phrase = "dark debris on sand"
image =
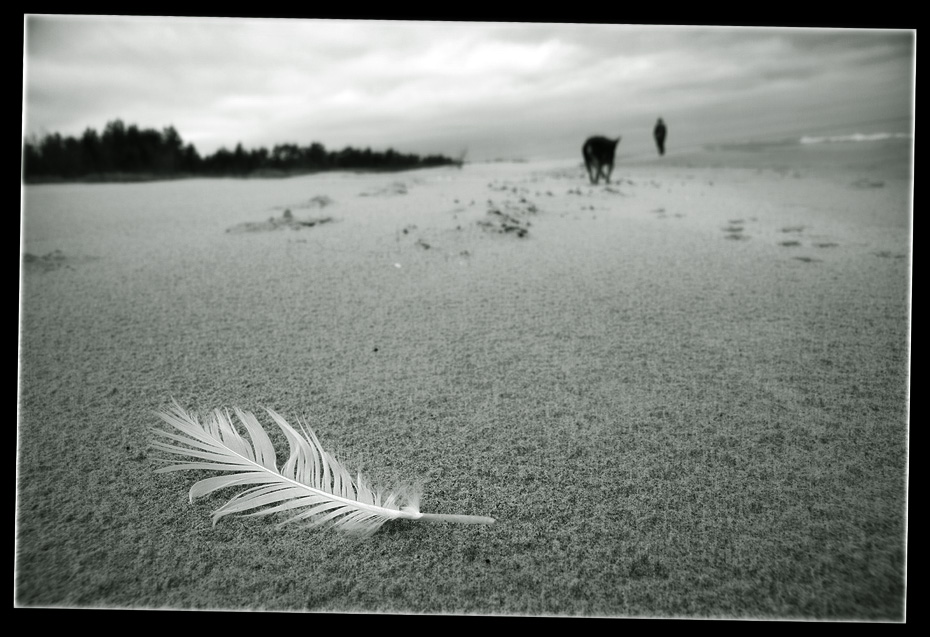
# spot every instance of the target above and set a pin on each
(502, 222)
(396, 188)
(54, 260)
(286, 220)
(509, 218)
(319, 201)
(51, 261)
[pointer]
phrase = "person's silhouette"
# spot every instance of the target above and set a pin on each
(659, 133)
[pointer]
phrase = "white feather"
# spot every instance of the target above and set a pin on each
(311, 484)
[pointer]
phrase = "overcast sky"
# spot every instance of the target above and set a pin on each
(495, 89)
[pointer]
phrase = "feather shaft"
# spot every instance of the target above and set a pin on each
(461, 519)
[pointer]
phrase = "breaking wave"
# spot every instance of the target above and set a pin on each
(854, 137)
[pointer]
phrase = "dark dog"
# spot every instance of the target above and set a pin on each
(599, 155)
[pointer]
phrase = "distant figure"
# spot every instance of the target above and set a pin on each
(659, 133)
(599, 155)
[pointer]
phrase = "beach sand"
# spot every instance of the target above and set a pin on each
(683, 394)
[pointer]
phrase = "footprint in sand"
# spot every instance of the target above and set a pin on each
(826, 244)
(286, 220)
(504, 223)
(888, 254)
(789, 244)
(528, 205)
(320, 201)
(807, 259)
(734, 231)
(54, 260)
(867, 183)
(396, 188)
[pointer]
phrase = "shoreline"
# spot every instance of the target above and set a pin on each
(892, 158)
(108, 178)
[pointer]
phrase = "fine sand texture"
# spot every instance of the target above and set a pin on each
(683, 394)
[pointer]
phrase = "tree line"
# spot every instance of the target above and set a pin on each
(128, 152)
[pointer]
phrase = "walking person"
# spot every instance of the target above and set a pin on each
(659, 133)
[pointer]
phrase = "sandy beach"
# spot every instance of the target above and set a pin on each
(682, 394)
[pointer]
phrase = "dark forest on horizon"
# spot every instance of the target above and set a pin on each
(125, 153)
